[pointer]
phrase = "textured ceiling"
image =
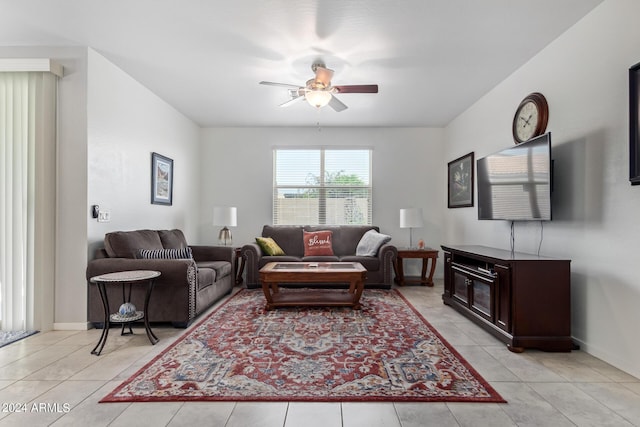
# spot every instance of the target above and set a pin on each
(432, 59)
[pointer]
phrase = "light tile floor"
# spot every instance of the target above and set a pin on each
(52, 379)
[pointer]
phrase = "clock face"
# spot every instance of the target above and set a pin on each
(527, 121)
(531, 118)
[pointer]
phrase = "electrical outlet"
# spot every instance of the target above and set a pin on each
(104, 216)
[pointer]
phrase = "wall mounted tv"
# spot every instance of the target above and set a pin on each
(515, 184)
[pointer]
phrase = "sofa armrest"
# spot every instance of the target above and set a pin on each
(388, 250)
(173, 299)
(388, 255)
(251, 254)
(173, 271)
(213, 253)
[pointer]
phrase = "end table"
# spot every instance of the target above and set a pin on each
(124, 278)
(238, 265)
(425, 254)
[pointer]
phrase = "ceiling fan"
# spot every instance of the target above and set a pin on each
(319, 92)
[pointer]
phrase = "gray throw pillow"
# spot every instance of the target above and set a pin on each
(371, 242)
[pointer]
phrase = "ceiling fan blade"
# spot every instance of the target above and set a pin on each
(291, 101)
(324, 75)
(356, 89)
(280, 84)
(336, 104)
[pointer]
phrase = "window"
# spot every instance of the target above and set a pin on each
(321, 186)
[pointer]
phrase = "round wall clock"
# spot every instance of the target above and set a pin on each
(531, 118)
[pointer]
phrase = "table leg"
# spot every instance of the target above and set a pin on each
(152, 337)
(400, 272)
(433, 269)
(105, 325)
(267, 289)
(239, 270)
(359, 287)
(423, 274)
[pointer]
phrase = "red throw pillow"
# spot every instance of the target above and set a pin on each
(317, 243)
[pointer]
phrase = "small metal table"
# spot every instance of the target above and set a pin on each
(123, 278)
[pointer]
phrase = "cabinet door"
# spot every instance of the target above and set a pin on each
(482, 291)
(460, 289)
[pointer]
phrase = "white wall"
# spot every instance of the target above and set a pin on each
(583, 75)
(126, 123)
(237, 171)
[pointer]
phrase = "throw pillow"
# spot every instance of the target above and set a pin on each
(371, 242)
(318, 243)
(184, 253)
(269, 246)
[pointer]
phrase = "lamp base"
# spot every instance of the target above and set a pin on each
(225, 236)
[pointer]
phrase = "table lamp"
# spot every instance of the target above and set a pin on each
(227, 217)
(411, 218)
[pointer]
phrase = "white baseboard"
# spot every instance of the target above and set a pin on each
(80, 326)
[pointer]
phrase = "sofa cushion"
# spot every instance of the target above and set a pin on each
(319, 258)
(210, 272)
(369, 262)
(269, 246)
(283, 258)
(125, 244)
(222, 268)
(350, 237)
(371, 242)
(288, 237)
(345, 238)
(318, 243)
(184, 253)
(172, 239)
(206, 278)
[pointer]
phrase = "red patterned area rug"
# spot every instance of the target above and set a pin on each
(385, 352)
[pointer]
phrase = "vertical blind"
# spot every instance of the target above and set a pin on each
(325, 186)
(27, 197)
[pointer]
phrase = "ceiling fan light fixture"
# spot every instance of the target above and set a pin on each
(318, 98)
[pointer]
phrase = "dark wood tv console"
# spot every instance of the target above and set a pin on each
(523, 299)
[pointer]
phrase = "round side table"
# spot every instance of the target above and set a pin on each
(123, 278)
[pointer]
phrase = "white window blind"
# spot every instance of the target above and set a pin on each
(27, 198)
(322, 186)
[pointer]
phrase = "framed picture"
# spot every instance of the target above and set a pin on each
(634, 137)
(460, 182)
(161, 180)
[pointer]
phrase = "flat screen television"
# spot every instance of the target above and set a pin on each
(515, 184)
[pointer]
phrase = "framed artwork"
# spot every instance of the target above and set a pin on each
(634, 136)
(460, 182)
(161, 180)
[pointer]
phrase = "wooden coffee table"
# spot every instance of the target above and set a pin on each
(316, 273)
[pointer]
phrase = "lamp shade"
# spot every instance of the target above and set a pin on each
(224, 215)
(411, 218)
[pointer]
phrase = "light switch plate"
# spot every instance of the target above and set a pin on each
(104, 216)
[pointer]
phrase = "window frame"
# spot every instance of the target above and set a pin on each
(322, 187)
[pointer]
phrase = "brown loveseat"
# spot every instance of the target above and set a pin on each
(345, 239)
(186, 287)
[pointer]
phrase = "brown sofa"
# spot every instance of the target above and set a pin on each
(345, 239)
(186, 287)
